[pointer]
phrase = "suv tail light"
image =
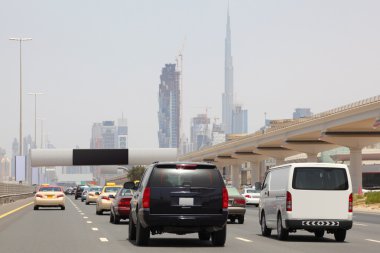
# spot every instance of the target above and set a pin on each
(106, 197)
(124, 202)
(224, 198)
(350, 200)
(239, 201)
(146, 198)
(289, 205)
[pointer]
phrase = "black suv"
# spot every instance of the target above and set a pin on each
(79, 190)
(180, 198)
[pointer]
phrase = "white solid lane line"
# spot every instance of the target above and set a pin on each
(360, 224)
(95, 229)
(370, 240)
(103, 239)
(243, 239)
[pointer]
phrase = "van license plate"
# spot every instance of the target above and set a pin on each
(186, 201)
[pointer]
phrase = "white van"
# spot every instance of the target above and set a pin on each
(316, 197)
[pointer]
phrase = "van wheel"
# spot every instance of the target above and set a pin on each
(218, 238)
(340, 235)
(282, 233)
(131, 229)
(241, 219)
(142, 234)
(204, 236)
(265, 231)
(319, 234)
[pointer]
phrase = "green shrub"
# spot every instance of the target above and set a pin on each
(372, 197)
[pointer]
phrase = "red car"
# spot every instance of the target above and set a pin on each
(120, 206)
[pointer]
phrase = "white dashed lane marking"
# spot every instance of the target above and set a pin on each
(103, 239)
(370, 240)
(95, 229)
(89, 222)
(85, 217)
(360, 224)
(243, 239)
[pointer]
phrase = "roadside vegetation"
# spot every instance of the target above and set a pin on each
(367, 198)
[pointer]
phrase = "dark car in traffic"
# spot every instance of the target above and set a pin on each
(180, 198)
(120, 205)
(78, 191)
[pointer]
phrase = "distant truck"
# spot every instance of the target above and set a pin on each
(316, 197)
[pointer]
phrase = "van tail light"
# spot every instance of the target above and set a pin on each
(60, 196)
(239, 201)
(289, 205)
(106, 197)
(124, 202)
(224, 198)
(350, 201)
(39, 196)
(146, 198)
(247, 196)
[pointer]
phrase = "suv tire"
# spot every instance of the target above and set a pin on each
(265, 231)
(131, 229)
(204, 236)
(142, 234)
(218, 238)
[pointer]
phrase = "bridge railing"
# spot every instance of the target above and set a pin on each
(10, 192)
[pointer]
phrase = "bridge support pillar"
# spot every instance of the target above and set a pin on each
(356, 169)
(235, 172)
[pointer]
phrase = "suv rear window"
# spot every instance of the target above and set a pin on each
(172, 177)
(320, 179)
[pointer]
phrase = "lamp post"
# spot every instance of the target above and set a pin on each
(41, 144)
(35, 114)
(20, 40)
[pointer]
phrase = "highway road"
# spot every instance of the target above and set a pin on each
(78, 229)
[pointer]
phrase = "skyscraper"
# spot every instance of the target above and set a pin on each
(169, 107)
(200, 134)
(228, 95)
(239, 120)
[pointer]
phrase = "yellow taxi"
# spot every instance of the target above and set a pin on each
(49, 196)
(92, 194)
(103, 202)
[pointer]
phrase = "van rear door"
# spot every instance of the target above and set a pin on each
(320, 193)
(186, 190)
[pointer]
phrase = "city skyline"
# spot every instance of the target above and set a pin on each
(95, 69)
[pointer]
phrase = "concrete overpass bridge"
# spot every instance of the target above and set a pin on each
(355, 126)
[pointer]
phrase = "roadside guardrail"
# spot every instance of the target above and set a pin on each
(10, 192)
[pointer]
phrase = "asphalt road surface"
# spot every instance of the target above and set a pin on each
(78, 229)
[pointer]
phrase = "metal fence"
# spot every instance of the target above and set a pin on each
(10, 192)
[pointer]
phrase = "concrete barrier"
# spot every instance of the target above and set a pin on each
(10, 192)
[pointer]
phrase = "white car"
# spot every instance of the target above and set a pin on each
(316, 197)
(252, 196)
(49, 196)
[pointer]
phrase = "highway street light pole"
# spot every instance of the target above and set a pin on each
(35, 115)
(20, 40)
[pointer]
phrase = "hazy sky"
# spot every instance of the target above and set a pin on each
(95, 60)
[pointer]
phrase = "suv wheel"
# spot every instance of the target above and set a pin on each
(282, 233)
(142, 234)
(241, 219)
(218, 238)
(319, 233)
(265, 231)
(340, 235)
(204, 236)
(112, 218)
(131, 229)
